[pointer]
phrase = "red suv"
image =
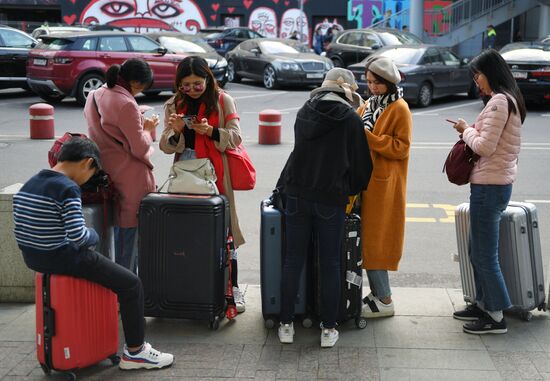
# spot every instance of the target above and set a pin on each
(75, 64)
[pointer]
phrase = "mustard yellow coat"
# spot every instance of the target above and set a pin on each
(383, 203)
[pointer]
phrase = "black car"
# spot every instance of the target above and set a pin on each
(193, 44)
(530, 66)
(14, 50)
(354, 45)
(276, 62)
(225, 40)
(427, 72)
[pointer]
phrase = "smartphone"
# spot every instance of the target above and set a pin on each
(189, 120)
(451, 121)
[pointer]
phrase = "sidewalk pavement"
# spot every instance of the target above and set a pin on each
(422, 342)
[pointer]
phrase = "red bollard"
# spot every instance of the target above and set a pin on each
(42, 121)
(270, 127)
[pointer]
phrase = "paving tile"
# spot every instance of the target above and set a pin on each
(434, 359)
(400, 374)
(518, 339)
(11, 311)
(421, 301)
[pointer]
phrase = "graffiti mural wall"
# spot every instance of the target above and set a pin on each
(368, 12)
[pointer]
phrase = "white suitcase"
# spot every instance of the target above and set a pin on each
(519, 253)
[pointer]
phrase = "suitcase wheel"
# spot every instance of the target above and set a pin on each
(526, 316)
(115, 359)
(45, 369)
(360, 322)
(70, 376)
(307, 323)
(214, 324)
(269, 323)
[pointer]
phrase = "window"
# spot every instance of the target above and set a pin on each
(85, 44)
(112, 44)
(351, 38)
(142, 44)
(14, 39)
(449, 58)
(368, 40)
(432, 57)
(276, 47)
(247, 46)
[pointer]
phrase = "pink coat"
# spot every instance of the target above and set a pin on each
(497, 139)
(125, 147)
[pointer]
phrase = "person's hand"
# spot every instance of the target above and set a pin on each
(176, 123)
(461, 125)
(203, 127)
(151, 123)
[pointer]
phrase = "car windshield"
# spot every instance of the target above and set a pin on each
(179, 45)
(214, 35)
(395, 38)
(54, 43)
(524, 45)
(277, 47)
(408, 56)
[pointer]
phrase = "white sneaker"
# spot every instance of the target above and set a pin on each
(286, 333)
(238, 297)
(374, 308)
(329, 337)
(148, 358)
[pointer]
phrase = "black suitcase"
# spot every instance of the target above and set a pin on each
(271, 263)
(351, 297)
(183, 255)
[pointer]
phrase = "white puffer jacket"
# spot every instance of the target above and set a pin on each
(497, 139)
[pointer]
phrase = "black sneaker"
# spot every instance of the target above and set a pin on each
(471, 313)
(485, 325)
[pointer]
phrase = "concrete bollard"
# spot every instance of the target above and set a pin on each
(42, 121)
(270, 127)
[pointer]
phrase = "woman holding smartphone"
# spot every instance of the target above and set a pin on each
(198, 125)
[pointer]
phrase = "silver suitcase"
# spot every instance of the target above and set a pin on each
(94, 216)
(519, 254)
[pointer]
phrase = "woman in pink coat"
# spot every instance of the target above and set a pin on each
(123, 136)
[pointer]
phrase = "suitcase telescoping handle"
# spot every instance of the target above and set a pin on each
(48, 320)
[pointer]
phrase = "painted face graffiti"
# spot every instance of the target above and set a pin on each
(264, 21)
(144, 16)
(293, 20)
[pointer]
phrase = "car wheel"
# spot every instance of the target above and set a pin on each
(52, 98)
(87, 84)
(425, 95)
(337, 61)
(474, 91)
(270, 78)
(232, 73)
(151, 93)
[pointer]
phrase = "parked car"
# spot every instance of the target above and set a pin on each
(191, 44)
(75, 64)
(354, 45)
(14, 50)
(545, 40)
(530, 66)
(47, 30)
(275, 62)
(427, 72)
(225, 40)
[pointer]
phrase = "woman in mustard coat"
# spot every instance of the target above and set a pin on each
(388, 128)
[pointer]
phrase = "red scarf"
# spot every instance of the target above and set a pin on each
(204, 146)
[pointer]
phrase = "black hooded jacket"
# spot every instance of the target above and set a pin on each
(331, 158)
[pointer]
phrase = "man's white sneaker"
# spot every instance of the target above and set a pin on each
(329, 337)
(238, 297)
(374, 308)
(147, 358)
(286, 333)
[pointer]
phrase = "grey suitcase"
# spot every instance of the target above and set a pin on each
(271, 265)
(519, 254)
(100, 218)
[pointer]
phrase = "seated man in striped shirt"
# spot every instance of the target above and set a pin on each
(51, 232)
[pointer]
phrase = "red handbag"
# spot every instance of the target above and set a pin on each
(460, 162)
(241, 169)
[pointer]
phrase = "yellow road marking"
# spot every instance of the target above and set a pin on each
(448, 210)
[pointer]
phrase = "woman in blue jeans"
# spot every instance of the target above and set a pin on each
(496, 138)
(330, 161)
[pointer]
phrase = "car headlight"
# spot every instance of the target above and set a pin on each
(211, 62)
(222, 63)
(290, 66)
(329, 65)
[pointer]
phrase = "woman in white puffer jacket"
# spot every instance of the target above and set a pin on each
(496, 138)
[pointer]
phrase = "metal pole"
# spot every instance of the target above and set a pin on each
(301, 22)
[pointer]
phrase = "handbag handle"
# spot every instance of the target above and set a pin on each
(170, 177)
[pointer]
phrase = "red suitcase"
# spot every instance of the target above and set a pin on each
(76, 323)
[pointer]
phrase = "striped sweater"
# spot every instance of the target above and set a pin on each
(48, 217)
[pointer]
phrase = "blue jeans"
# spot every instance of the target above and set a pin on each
(126, 248)
(487, 202)
(379, 283)
(304, 220)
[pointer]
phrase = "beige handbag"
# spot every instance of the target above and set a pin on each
(196, 176)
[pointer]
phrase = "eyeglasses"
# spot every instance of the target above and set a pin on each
(197, 86)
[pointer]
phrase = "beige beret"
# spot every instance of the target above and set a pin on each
(386, 69)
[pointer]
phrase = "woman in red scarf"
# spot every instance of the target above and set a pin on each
(215, 129)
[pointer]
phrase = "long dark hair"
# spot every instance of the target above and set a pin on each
(194, 65)
(134, 69)
(491, 64)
